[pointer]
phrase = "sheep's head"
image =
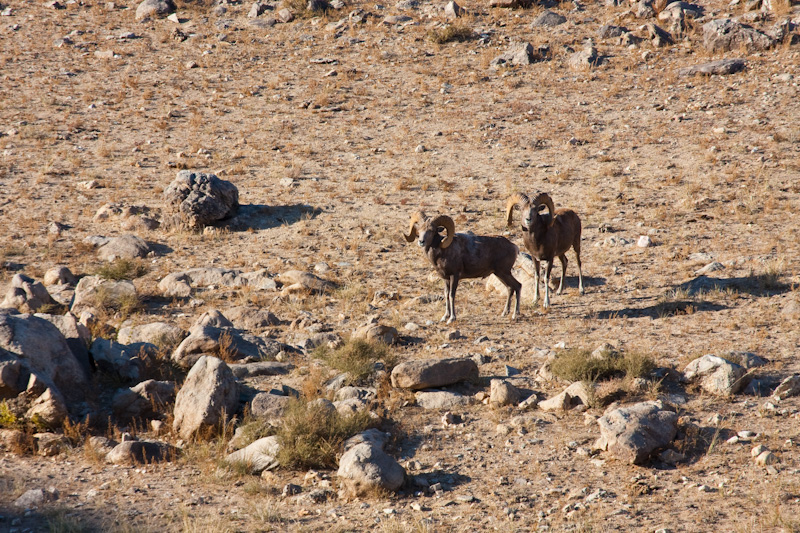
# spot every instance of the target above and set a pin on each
(430, 236)
(530, 209)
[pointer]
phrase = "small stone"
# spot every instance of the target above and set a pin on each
(766, 458)
(644, 241)
(746, 434)
(758, 450)
(420, 148)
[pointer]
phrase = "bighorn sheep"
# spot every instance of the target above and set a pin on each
(458, 255)
(547, 236)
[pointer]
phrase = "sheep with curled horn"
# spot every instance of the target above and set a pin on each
(547, 236)
(456, 256)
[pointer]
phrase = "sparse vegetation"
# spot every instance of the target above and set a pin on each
(357, 357)
(311, 433)
(580, 365)
(121, 269)
(450, 33)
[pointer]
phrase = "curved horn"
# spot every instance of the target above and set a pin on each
(544, 198)
(447, 223)
(515, 199)
(416, 218)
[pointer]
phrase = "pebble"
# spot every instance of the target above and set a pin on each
(747, 434)
(766, 458)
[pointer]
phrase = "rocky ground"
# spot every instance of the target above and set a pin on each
(334, 128)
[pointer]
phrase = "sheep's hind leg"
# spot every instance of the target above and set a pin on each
(577, 247)
(536, 268)
(514, 288)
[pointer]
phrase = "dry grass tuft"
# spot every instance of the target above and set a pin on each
(580, 365)
(450, 33)
(357, 358)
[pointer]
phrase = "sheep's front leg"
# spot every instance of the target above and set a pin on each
(548, 267)
(536, 266)
(446, 300)
(452, 298)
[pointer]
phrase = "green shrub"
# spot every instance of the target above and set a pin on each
(450, 33)
(579, 365)
(120, 269)
(357, 357)
(312, 434)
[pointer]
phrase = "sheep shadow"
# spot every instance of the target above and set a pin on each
(754, 285)
(257, 216)
(662, 309)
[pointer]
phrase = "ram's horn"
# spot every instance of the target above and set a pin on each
(544, 198)
(447, 223)
(516, 199)
(416, 218)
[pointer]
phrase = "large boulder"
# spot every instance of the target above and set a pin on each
(429, 373)
(154, 9)
(365, 466)
(113, 357)
(724, 35)
(207, 398)
(49, 408)
(441, 399)
(269, 407)
(518, 53)
(42, 350)
(26, 295)
(230, 343)
(197, 199)
(717, 375)
(633, 433)
(123, 247)
(77, 335)
(156, 334)
(94, 292)
(130, 452)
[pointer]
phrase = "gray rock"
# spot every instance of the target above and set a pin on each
(123, 247)
(251, 318)
(549, 19)
(297, 281)
(196, 199)
(423, 374)
(50, 444)
(518, 54)
(117, 358)
(141, 452)
(584, 59)
(609, 31)
(717, 375)
(42, 349)
(157, 334)
(723, 35)
(50, 408)
(720, 68)
(154, 9)
(452, 10)
(366, 466)
(377, 333)
(145, 400)
(180, 284)
(350, 406)
(258, 9)
(633, 433)
(657, 35)
(269, 407)
(258, 456)
(232, 343)
(262, 368)
(10, 383)
(208, 397)
(26, 295)
(788, 387)
(579, 393)
(441, 399)
(746, 360)
(77, 335)
(94, 292)
(33, 498)
(503, 393)
(347, 393)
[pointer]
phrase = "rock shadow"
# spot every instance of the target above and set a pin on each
(256, 216)
(754, 285)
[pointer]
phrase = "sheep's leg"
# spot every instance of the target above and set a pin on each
(452, 298)
(535, 280)
(547, 268)
(514, 287)
(577, 246)
(564, 261)
(446, 300)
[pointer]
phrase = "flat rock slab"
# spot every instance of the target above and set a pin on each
(431, 373)
(263, 368)
(720, 68)
(441, 399)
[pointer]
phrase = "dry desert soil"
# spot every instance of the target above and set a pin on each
(334, 134)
